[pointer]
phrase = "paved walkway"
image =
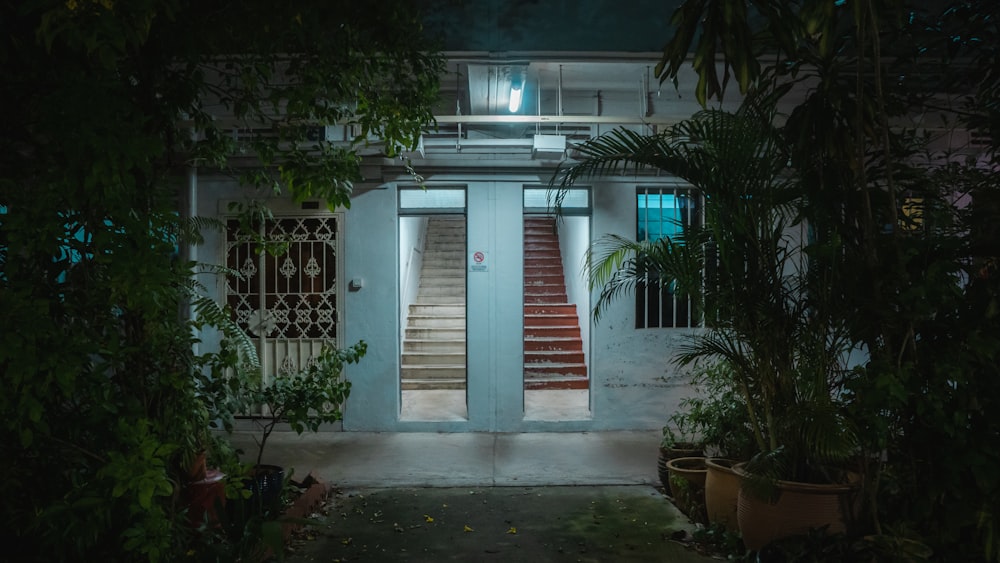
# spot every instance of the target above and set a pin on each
(420, 459)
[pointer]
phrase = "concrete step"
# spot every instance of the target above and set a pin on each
(455, 292)
(548, 266)
(544, 299)
(438, 232)
(445, 244)
(435, 333)
(557, 382)
(544, 290)
(436, 358)
(567, 309)
(542, 371)
(544, 295)
(447, 299)
(553, 256)
(440, 279)
(450, 345)
(554, 280)
(449, 249)
(432, 372)
(543, 247)
(422, 321)
(434, 310)
(434, 384)
(442, 224)
(539, 222)
(551, 319)
(444, 262)
(554, 331)
(553, 344)
(540, 358)
(542, 265)
(554, 275)
(540, 262)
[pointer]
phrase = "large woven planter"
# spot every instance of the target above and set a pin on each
(722, 487)
(799, 507)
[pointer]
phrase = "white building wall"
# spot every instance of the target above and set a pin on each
(412, 241)
(371, 251)
(574, 240)
(633, 383)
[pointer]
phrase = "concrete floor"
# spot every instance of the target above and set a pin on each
(421, 459)
(539, 404)
(602, 524)
(533, 497)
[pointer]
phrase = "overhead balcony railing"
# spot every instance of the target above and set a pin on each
(467, 138)
(548, 119)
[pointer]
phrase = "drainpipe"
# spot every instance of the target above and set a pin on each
(559, 97)
(191, 212)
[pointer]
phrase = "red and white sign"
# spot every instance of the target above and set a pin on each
(478, 261)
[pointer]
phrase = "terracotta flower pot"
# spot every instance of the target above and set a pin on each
(667, 454)
(198, 469)
(722, 487)
(204, 497)
(687, 485)
(799, 507)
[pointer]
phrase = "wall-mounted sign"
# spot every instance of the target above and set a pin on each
(478, 261)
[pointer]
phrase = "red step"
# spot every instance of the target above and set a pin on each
(553, 331)
(553, 349)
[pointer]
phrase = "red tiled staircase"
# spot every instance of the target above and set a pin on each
(553, 349)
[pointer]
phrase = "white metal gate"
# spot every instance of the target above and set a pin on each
(289, 302)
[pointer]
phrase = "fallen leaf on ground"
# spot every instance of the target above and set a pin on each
(468, 529)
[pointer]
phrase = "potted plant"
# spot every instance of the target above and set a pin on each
(677, 441)
(718, 414)
(687, 485)
(767, 316)
(304, 400)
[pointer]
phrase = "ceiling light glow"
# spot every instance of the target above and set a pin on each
(515, 97)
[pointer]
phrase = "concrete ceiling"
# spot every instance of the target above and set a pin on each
(505, 26)
(558, 45)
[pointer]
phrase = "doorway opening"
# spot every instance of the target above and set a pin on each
(556, 306)
(432, 297)
(289, 303)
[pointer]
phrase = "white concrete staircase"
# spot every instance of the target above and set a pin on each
(434, 344)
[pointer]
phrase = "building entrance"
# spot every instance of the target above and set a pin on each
(458, 286)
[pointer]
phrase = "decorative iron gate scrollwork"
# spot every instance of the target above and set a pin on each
(289, 301)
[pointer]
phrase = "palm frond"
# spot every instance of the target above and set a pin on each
(210, 312)
(191, 229)
(618, 151)
(619, 265)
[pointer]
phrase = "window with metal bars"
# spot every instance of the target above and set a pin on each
(664, 212)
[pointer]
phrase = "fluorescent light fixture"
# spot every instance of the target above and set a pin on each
(515, 96)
